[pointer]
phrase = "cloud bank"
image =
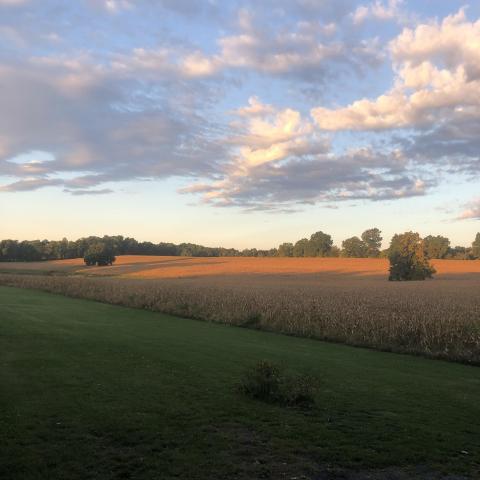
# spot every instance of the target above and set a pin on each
(221, 98)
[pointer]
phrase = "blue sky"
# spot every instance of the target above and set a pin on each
(239, 123)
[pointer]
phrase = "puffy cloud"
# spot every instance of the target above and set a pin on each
(282, 160)
(266, 135)
(452, 42)
(438, 78)
(255, 107)
(144, 106)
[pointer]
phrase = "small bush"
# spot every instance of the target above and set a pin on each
(262, 381)
(298, 390)
(266, 381)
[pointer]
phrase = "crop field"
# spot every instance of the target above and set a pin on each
(91, 390)
(269, 269)
(341, 300)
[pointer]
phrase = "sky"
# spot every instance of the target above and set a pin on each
(239, 123)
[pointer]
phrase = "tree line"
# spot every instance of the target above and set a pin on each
(319, 244)
(38, 250)
(368, 245)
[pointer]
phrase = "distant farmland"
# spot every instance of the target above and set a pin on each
(336, 299)
(152, 267)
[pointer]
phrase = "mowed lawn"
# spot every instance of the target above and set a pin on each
(95, 391)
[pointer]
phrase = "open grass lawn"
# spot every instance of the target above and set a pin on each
(95, 391)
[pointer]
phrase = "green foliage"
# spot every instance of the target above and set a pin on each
(319, 245)
(372, 239)
(334, 251)
(407, 258)
(476, 246)
(267, 382)
(99, 254)
(300, 248)
(285, 250)
(262, 381)
(354, 247)
(460, 253)
(436, 247)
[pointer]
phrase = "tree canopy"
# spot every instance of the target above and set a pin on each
(372, 239)
(436, 247)
(354, 247)
(407, 258)
(285, 250)
(100, 254)
(319, 244)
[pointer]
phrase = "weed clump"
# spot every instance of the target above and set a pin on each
(268, 382)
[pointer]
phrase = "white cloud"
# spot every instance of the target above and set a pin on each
(271, 135)
(437, 78)
(107, 112)
(255, 107)
(280, 159)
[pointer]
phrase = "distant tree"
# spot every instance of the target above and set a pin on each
(407, 258)
(285, 250)
(99, 254)
(319, 245)
(63, 248)
(373, 241)
(476, 246)
(300, 248)
(436, 247)
(250, 252)
(354, 247)
(334, 251)
(459, 253)
(9, 250)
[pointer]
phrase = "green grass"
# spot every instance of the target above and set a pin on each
(95, 391)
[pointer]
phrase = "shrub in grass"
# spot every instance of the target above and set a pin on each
(298, 390)
(267, 382)
(262, 381)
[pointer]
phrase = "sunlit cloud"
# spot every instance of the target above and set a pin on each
(286, 104)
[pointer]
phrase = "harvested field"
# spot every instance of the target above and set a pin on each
(136, 266)
(341, 300)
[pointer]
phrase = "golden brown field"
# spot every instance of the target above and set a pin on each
(266, 269)
(336, 299)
